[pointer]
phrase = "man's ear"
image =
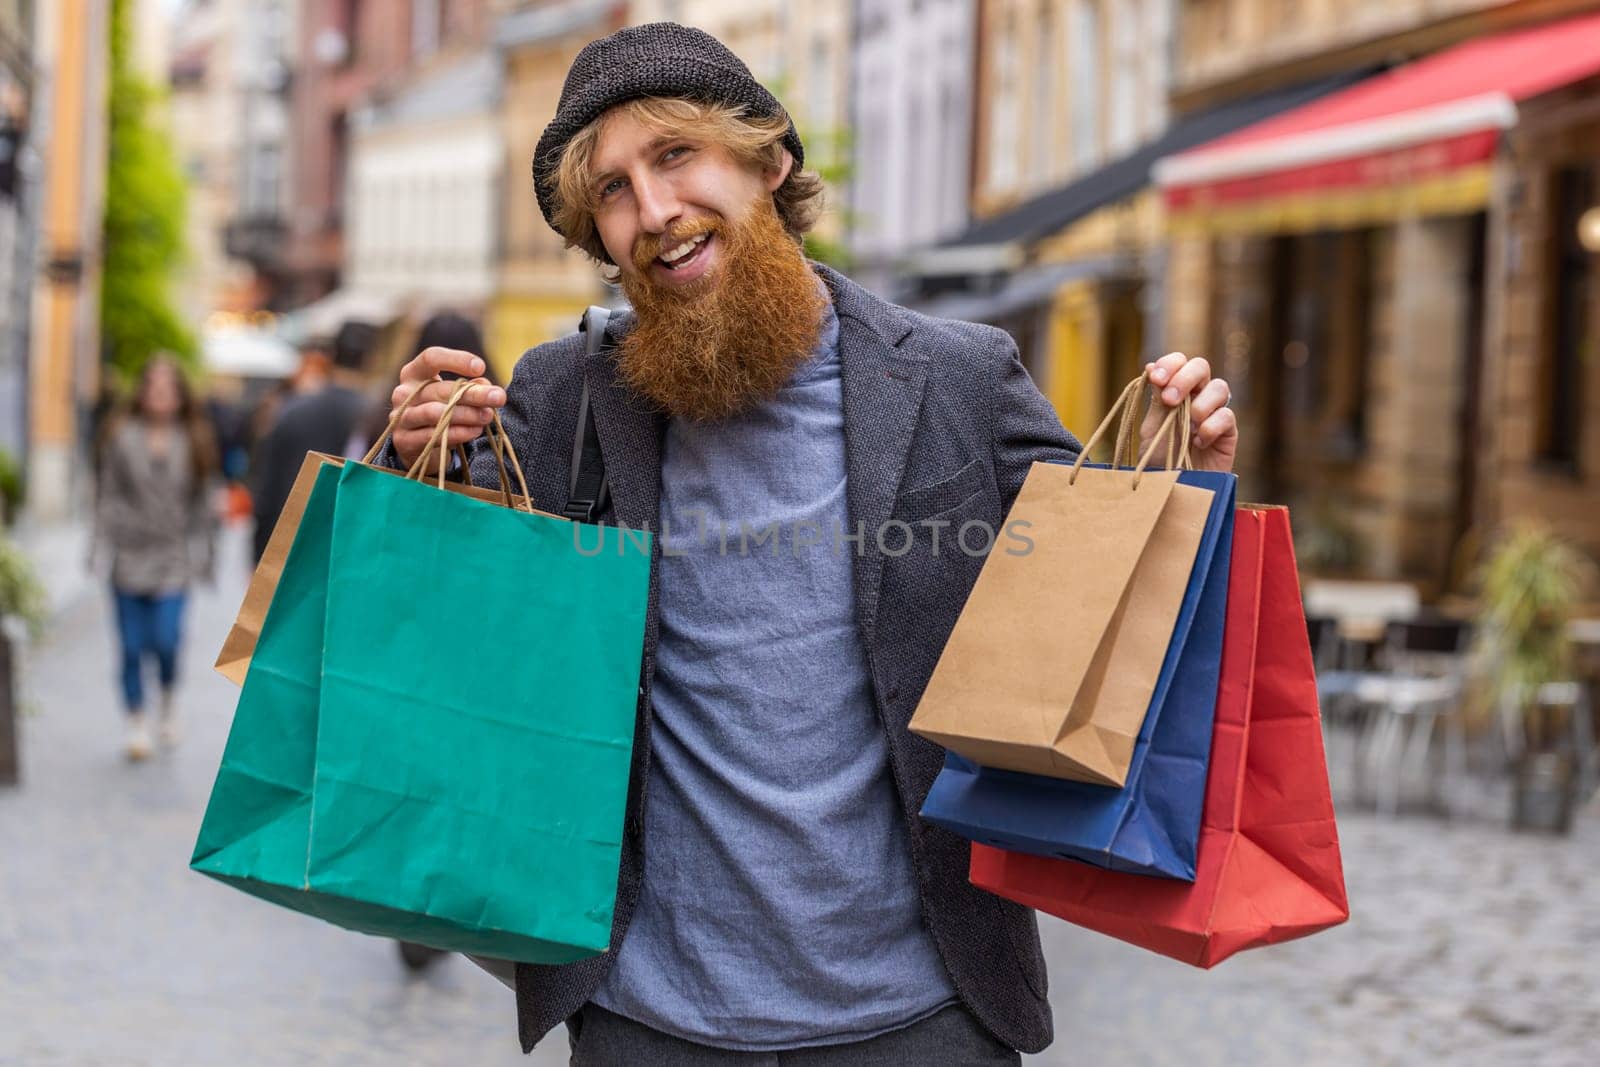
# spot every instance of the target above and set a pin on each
(780, 174)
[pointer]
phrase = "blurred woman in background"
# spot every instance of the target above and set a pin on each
(155, 523)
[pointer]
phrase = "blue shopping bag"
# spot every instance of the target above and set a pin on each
(1152, 824)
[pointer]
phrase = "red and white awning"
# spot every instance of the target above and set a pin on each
(1421, 135)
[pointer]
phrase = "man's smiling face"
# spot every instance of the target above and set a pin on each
(681, 199)
(662, 202)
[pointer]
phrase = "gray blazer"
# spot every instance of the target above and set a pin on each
(941, 422)
(155, 525)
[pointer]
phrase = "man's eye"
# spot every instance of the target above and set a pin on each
(672, 153)
(610, 187)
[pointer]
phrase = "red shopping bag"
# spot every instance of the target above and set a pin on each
(1268, 867)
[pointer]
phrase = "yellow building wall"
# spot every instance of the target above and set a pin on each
(517, 322)
(1130, 227)
(1075, 374)
(1080, 369)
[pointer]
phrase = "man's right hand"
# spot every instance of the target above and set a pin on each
(471, 415)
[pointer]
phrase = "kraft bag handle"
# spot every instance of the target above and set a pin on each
(394, 421)
(500, 442)
(495, 433)
(441, 430)
(394, 424)
(1121, 408)
(1127, 450)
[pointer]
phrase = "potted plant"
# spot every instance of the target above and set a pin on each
(22, 607)
(1531, 585)
(1328, 543)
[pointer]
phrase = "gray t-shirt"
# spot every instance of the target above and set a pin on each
(779, 908)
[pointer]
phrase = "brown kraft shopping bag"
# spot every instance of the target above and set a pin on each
(1054, 659)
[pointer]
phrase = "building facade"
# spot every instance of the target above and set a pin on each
(1066, 86)
(426, 169)
(1229, 47)
(1063, 248)
(913, 80)
(1398, 283)
(257, 222)
(19, 188)
(229, 112)
(352, 53)
(71, 67)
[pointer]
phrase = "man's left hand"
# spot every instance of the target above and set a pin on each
(1214, 432)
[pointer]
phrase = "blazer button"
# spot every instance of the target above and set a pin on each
(893, 695)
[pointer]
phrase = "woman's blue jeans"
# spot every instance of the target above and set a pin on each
(149, 625)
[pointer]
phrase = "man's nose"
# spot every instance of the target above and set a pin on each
(659, 207)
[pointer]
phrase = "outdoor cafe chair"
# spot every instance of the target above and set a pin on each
(1573, 697)
(1416, 695)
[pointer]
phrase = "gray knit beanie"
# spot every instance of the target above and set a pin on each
(658, 59)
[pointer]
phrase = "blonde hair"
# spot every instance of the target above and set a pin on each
(754, 141)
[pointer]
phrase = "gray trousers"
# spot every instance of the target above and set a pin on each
(952, 1037)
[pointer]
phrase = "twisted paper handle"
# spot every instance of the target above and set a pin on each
(495, 434)
(1126, 407)
(1127, 430)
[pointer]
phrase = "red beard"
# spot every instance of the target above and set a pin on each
(730, 339)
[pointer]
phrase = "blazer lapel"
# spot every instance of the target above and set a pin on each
(883, 387)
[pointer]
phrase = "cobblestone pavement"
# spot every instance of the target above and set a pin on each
(1469, 945)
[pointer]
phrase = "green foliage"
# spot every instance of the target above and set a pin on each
(828, 154)
(21, 595)
(144, 221)
(1531, 585)
(10, 488)
(1328, 543)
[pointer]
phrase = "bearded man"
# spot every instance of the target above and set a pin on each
(779, 901)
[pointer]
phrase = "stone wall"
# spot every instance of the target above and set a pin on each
(1367, 455)
(1522, 484)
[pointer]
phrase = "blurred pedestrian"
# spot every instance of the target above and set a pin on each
(319, 417)
(155, 523)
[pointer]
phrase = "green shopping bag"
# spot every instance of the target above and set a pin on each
(434, 737)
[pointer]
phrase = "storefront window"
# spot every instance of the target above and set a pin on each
(1568, 331)
(1323, 312)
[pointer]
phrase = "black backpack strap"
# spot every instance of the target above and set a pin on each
(588, 487)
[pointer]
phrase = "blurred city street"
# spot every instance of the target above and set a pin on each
(1467, 944)
(1356, 242)
(113, 951)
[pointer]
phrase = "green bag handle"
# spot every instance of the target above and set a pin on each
(394, 424)
(495, 434)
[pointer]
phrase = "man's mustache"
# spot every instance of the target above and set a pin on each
(648, 248)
